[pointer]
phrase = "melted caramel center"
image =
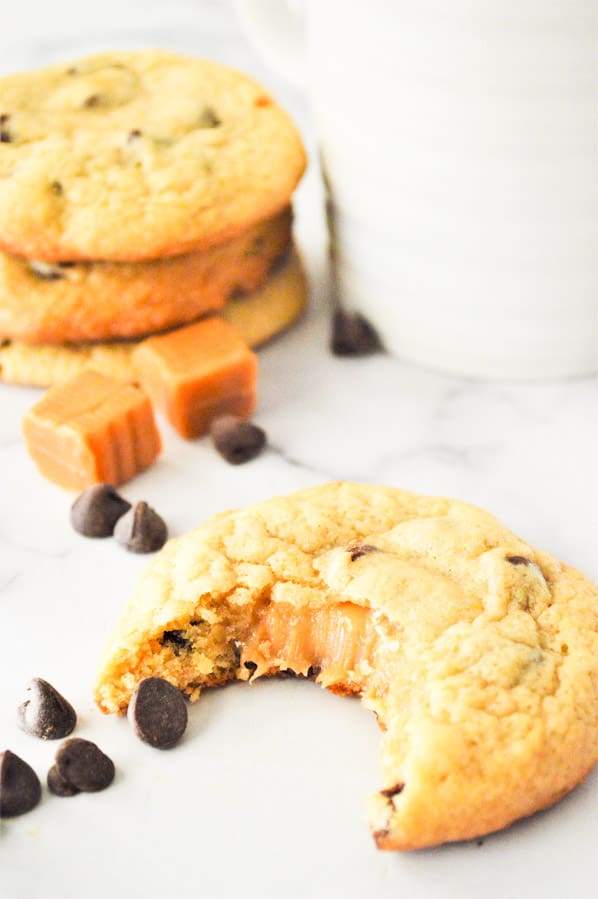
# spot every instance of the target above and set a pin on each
(335, 643)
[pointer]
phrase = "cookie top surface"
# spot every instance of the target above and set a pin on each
(137, 155)
(485, 674)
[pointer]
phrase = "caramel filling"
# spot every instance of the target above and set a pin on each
(334, 643)
(338, 645)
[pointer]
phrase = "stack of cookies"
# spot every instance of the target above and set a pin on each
(139, 192)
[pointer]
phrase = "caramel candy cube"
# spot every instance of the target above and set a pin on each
(90, 429)
(198, 372)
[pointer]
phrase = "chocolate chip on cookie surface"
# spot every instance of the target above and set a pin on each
(5, 134)
(361, 549)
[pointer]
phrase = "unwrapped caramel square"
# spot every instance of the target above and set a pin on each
(90, 429)
(198, 372)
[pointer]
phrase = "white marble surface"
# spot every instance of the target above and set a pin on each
(265, 796)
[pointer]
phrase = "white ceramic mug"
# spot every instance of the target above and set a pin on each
(460, 143)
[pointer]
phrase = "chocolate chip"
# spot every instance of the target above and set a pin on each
(208, 118)
(46, 270)
(158, 713)
(361, 549)
(20, 789)
(237, 293)
(46, 714)
(353, 335)
(176, 639)
(389, 792)
(236, 440)
(255, 248)
(280, 261)
(234, 647)
(81, 764)
(5, 135)
(58, 785)
(141, 530)
(96, 511)
(519, 560)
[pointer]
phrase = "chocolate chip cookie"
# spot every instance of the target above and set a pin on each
(477, 653)
(138, 155)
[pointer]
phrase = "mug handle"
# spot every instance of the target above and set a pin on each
(276, 28)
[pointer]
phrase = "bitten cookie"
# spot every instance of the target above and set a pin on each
(138, 155)
(66, 303)
(477, 653)
(259, 316)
